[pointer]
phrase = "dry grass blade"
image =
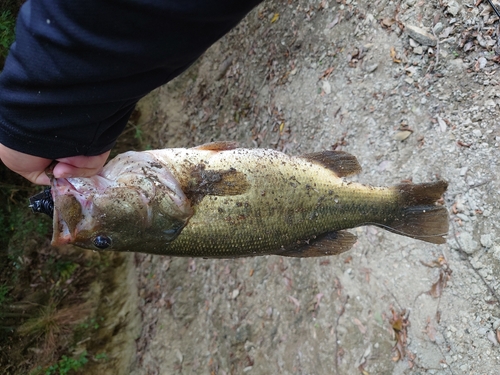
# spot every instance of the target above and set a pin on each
(51, 323)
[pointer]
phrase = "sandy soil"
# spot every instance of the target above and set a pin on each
(306, 76)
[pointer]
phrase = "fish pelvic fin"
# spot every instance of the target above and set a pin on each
(341, 163)
(421, 218)
(332, 243)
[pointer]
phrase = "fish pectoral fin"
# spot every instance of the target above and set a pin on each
(340, 162)
(216, 182)
(332, 243)
(217, 146)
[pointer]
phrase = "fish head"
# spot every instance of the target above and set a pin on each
(120, 214)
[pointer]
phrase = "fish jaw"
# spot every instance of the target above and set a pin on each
(73, 206)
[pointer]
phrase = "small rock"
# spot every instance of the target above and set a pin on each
(453, 7)
(418, 50)
(438, 27)
(467, 243)
(496, 252)
(492, 337)
(477, 133)
(242, 334)
(327, 88)
(482, 62)
(496, 324)
(482, 331)
(179, 355)
(442, 124)
(486, 240)
(235, 293)
(420, 35)
(370, 68)
(413, 43)
(402, 135)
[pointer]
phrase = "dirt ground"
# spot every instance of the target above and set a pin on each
(305, 76)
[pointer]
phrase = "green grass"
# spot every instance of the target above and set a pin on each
(66, 365)
(7, 23)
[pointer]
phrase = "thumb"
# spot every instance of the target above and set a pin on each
(80, 166)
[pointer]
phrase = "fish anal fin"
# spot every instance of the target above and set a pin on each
(216, 182)
(217, 146)
(340, 162)
(332, 243)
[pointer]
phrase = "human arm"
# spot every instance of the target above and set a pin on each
(77, 69)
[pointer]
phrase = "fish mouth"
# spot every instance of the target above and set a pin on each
(72, 195)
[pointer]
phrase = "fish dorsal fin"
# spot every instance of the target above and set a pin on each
(217, 146)
(332, 243)
(340, 162)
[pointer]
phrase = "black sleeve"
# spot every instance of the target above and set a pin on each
(77, 68)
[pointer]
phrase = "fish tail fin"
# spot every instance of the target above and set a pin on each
(420, 217)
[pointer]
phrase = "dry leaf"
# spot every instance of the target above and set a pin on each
(275, 17)
(296, 302)
(393, 56)
(327, 73)
(399, 323)
(430, 330)
(360, 325)
(388, 22)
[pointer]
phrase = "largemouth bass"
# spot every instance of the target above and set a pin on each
(220, 201)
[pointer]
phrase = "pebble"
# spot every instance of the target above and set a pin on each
(482, 62)
(370, 68)
(496, 324)
(235, 293)
(418, 50)
(482, 331)
(486, 240)
(420, 35)
(402, 135)
(327, 88)
(438, 27)
(453, 7)
(467, 243)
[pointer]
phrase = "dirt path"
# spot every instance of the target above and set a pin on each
(306, 76)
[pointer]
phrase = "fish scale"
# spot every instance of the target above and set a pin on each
(217, 200)
(292, 212)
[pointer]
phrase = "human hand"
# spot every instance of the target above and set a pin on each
(33, 167)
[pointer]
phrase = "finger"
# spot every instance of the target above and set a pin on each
(80, 166)
(38, 178)
(63, 170)
(30, 167)
(86, 162)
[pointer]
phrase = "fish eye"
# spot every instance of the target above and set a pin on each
(102, 242)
